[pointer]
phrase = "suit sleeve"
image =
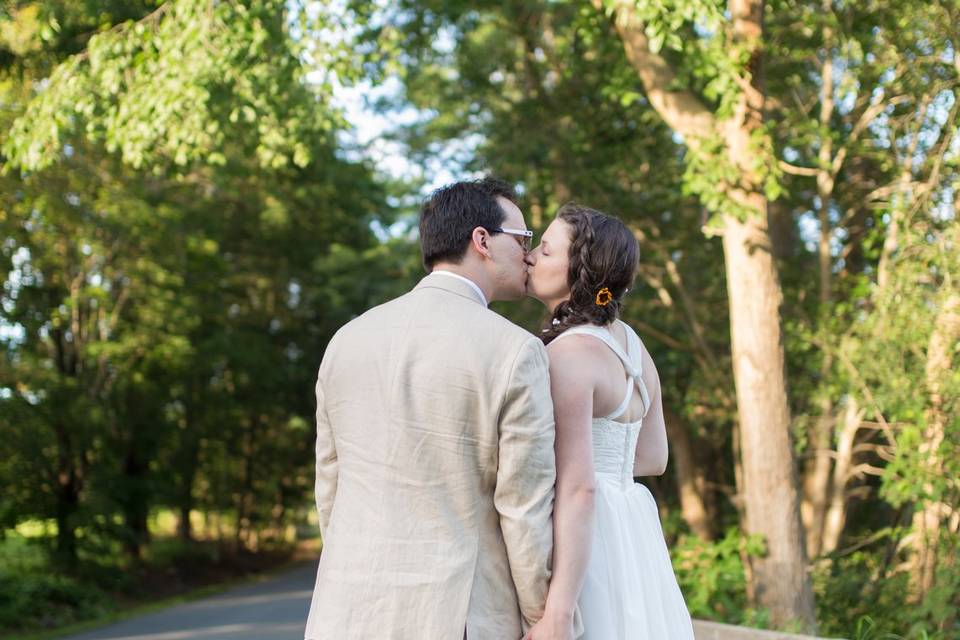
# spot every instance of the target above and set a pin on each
(525, 478)
(327, 466)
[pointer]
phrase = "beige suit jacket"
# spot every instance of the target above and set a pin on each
(435, 473)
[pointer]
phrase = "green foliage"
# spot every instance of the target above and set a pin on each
(181, 237)
(42, 600)
(33, 596)
(707, 167)
(712, 578)
(174, 270)
(177, 86)
(695, 30)
(713, 65)
(858, 597)
(890, 348)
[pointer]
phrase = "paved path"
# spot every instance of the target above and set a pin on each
(275, 609)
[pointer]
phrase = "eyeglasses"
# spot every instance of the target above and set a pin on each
(523, 237)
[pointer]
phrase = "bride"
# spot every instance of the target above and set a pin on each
(610, 557)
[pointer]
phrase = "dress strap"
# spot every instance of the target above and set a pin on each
(604, 336)
(634, 340)
(631, 360)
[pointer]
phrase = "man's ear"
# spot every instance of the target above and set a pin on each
(480, 239)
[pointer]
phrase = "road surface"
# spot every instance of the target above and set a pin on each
(275, 609)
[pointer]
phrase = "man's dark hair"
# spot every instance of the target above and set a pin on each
(451, 213)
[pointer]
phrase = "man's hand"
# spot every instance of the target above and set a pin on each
(551, 628)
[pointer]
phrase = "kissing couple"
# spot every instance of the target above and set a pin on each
(477, 481)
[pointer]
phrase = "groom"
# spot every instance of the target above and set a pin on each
(435, 462)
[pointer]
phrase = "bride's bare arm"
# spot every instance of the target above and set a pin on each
(652, 452)
(572, 380)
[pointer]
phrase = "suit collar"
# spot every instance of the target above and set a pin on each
(453, 285)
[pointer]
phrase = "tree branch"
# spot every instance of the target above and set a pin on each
(682, 110)
(152, 17)
(660, 336)
(793, 169)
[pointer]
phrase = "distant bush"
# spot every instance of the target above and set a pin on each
(173, 551)
(46, 601)
(712, 579)
(857, 597)
(38, 594)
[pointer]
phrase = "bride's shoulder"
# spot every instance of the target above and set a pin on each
(575, 364)
(575, 350)
(571, 343)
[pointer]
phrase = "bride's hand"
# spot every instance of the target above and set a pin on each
(551, 628)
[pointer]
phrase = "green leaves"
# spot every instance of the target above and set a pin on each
(711, 575)
(179, 185)
(175, 88)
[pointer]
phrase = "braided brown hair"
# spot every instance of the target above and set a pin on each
(603, 254)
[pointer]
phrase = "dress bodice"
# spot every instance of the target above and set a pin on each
(615, 443)
(614, 449)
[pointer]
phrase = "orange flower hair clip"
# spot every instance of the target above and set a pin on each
(604, 297)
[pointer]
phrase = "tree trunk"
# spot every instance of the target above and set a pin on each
(136, 505)
(184, 527)
(770, 495)
(930, 513)
(836, 516)
(771, 500)
(825, 176)
(690, 480)
(245, 498)
(816, 480)
(185, 501)
(68, 498)
(188, 458)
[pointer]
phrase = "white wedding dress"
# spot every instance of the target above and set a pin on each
(630, 591)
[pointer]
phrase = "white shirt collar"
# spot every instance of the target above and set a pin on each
(470, 282)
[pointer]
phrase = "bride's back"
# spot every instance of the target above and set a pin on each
(612, 383)
(609, 394)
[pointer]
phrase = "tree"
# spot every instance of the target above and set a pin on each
(175, 86)
(855, 91)
(164, 257)
(731, 168)
(855, 142)
(542, 94)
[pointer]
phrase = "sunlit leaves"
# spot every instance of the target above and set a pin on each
(174, 88)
